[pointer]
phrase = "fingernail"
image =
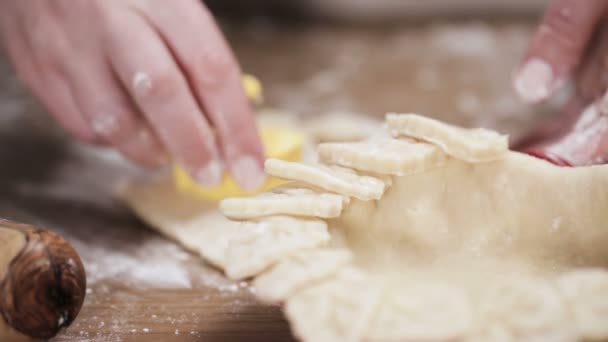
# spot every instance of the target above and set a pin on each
(211, 174)
(534, 81)
(248, 173)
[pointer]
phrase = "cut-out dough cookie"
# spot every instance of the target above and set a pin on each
(502, 244)
(284, 201)
(339, 309)
(341, 126)
(421, 313)
(194, 223)
(301, 269)
(384, 156)
(528, 309)
(330, 179)
(586, 292)
(266, 241)
(474, 145)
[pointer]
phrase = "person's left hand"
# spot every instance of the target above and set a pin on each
(153, 79)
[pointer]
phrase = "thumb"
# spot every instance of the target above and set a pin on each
(557, 46)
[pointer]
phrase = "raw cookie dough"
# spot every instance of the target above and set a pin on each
(194, 223)
(284, 201)
(497, 246)
(341, 126)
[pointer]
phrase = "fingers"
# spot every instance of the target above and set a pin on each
(145, 83)
(53, 91)
(215, 80)
(592, 80)
(160, 91)
(587, 142)
(110, 114)
(48, 86)
(557, 46)
(548, 131)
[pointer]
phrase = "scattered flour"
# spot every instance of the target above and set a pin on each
(473, 40)
(153, 263)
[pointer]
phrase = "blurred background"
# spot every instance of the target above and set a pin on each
(381, 11)
(448, 59)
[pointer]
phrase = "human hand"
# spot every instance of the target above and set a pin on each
(565, 47)
(154, 80)
(571, 44)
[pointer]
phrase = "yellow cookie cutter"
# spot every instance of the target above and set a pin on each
(278, 143)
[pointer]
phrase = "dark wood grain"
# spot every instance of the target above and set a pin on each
(44, 288)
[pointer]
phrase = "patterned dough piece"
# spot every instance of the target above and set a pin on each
(384, 156)
(474, 145)
(284, 201)
(422, 313)
(586, 291)
(330, 179)
(299, 270)
(386, 179)
(339, 309)
(528, 309)
(187, 219)
(491, 332)
(463, 224)
(342, 126)
(268, 240)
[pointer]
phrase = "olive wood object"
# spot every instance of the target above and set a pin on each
(42, 282)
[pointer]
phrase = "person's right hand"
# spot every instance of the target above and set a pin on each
(152, 78)
(570, 44)
(559, 50)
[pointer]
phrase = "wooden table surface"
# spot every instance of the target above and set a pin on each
(144, 288)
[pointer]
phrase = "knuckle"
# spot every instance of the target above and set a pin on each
(237, 138)
(240, 128)
(79, 131)
(138, 157)
(215, 69)
(116, 129)
(106, 127)
(159, 84)
(560, 27)
(559, 16)
(82, 133)
(142, 147)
